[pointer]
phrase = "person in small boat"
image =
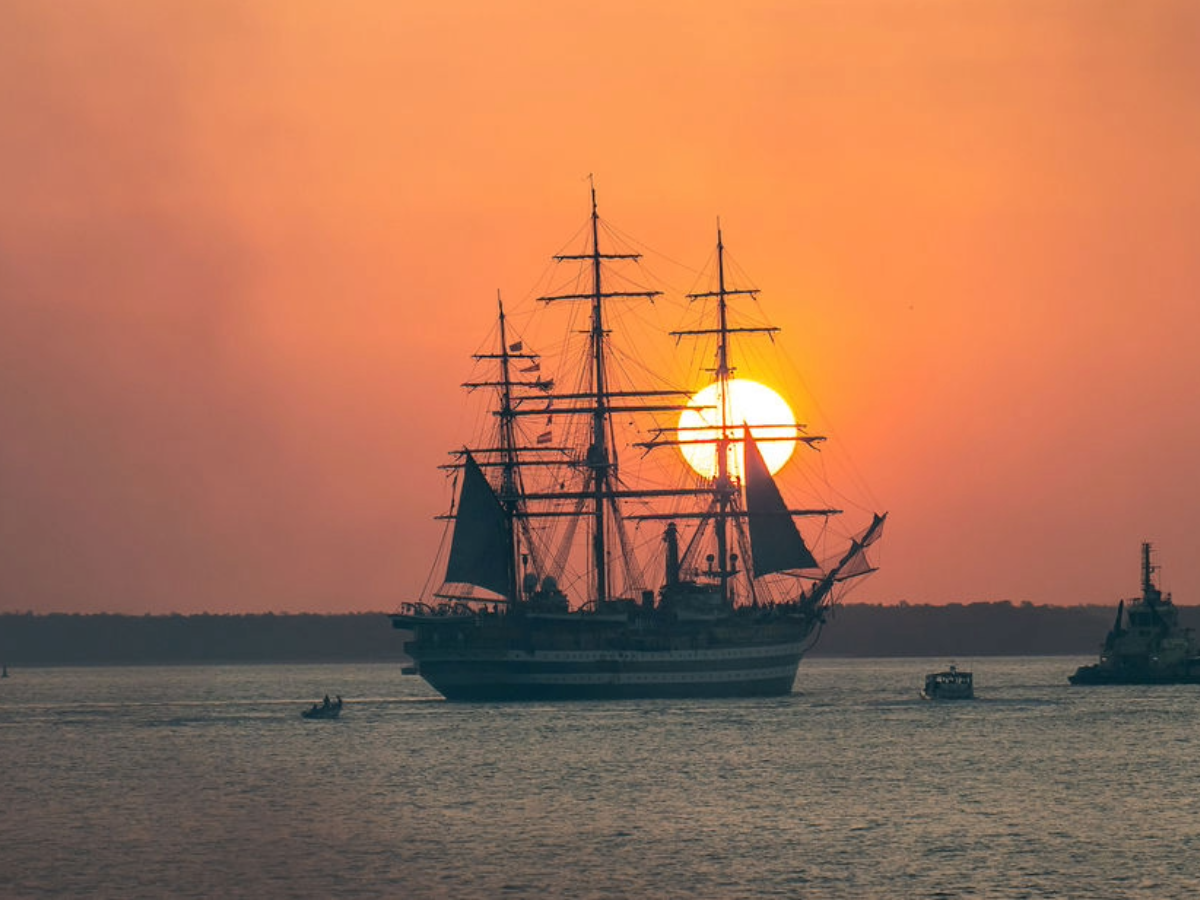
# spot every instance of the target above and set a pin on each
(325, 702)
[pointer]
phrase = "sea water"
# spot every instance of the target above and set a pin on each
(206, 782)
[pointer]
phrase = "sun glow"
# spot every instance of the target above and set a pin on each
(770, 419)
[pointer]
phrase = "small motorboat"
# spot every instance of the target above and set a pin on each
(326, 709)
(949, 685)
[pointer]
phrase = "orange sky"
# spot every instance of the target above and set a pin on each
(245, 250)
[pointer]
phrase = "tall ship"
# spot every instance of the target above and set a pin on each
(1146, 644)
(576, 569)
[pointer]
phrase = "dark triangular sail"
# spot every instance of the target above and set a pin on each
(775, 542)
(479, 551)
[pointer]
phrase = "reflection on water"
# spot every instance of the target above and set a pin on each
(205, 782)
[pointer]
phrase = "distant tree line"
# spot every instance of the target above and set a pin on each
(953, 631)
(970, 629)
(108, 639)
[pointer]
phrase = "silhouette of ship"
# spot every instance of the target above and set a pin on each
(741, 596)
(1146, 644)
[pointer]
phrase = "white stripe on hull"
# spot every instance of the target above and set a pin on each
(633, 657)
(449, 678)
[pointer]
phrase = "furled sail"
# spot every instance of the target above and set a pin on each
(775, 542)
(479, 551)
(855, 563)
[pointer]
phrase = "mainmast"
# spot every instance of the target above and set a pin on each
(598, 453)
(601, 458)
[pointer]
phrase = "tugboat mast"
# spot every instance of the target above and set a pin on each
(1150, 593)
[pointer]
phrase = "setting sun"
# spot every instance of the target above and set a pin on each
(770, 419)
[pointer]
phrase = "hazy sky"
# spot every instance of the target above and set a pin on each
(246, 248)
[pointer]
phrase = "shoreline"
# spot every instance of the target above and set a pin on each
(854, 631)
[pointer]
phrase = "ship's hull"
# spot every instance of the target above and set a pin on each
(570, 662)
(520, 676)
(1100, 674)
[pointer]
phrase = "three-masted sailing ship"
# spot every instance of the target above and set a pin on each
(728, 605)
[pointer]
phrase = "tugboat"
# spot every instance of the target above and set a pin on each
(1152, 648)
(949, 685)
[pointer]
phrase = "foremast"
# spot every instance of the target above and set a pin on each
(774, 544)
(724, 488)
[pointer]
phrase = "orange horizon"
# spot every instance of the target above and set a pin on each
(244, 250)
